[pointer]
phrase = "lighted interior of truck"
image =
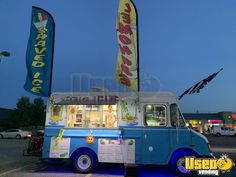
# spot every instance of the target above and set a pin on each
(91, 116)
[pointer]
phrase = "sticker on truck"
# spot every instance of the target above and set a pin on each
(116, 151)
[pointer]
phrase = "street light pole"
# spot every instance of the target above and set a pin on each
(4, 54)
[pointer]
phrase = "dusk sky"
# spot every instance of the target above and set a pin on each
(180, 43)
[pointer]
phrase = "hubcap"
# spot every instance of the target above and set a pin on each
(84, 162)
(181, 166)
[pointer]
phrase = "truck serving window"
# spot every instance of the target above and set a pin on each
(91, 116)
(155, 115)
(177, 119)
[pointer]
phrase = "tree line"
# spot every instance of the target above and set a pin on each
(26, 114)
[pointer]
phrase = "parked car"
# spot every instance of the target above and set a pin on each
(227, 131)
(15, 133)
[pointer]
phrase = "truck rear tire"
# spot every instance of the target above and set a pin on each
(84, 162)
(217, 134)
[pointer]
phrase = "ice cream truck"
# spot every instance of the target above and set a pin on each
(128, 128)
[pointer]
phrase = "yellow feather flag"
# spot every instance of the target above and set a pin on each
(127, 35)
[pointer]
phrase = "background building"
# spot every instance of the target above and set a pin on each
(203, 122)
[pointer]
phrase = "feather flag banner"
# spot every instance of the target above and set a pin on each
(200, 85)
(39, 55)
(127, 69)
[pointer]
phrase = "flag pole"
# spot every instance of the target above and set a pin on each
(53, 44)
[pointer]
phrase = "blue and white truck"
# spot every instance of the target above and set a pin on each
(129, 128)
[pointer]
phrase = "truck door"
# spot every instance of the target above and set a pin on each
(180, 135)
(156, 145)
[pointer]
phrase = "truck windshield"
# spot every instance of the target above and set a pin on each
(177, 119)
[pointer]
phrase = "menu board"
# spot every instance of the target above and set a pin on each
(116, 151)
(59, 148)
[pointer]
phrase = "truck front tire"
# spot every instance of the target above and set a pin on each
(84, 162)
(180, 169)
(177, 164)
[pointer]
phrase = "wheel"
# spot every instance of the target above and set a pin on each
(177, 165)
(217, 134)
(180, 168)
(18, 137)
(1, 136)
(84, 162)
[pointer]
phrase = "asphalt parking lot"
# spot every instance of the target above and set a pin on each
(11, 155)
(14, 164)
